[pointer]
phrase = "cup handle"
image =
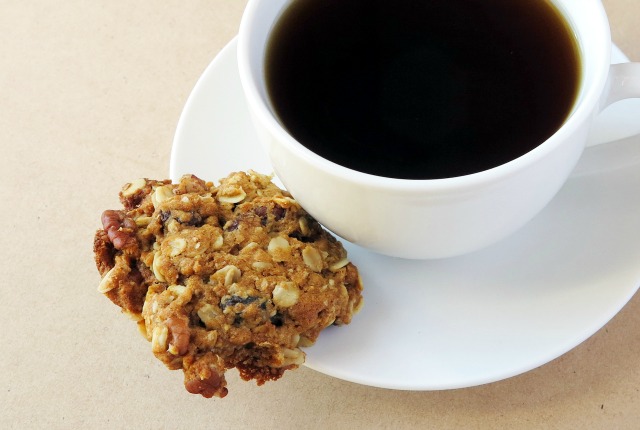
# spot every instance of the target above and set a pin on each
(623, 83)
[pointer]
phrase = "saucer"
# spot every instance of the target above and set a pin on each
(470, 320)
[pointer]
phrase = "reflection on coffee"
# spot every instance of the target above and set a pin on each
(422, 89)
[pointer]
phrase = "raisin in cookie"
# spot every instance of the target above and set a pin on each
(233, 276)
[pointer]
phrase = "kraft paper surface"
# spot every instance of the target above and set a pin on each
(91, 96)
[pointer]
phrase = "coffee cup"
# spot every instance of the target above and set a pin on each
(441, 216)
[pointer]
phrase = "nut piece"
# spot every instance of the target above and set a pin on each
(231, 274)
(206, 377)
(156, 268)
(161, 194)
(218, 243)
(180, 335)
(305, 342)
(312, 258)
(208, 314)
(177, 245)
(292, 357)
(107, 284)
(212, 337)
(285, 201)
(159, 339)
(172, 226)
(339, 264)
(134, 187)
(120, 230)
(232, 195)
(278, 248)
(261, 265)
(143, 221)
(286, 294)
(177, 290)
(304, 226)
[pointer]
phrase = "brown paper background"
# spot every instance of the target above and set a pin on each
(91, 94)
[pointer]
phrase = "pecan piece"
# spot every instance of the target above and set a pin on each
(180, 334)
(120, 230)
(205, 376)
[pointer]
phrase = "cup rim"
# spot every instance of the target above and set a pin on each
(587, 101)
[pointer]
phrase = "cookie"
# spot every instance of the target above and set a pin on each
(218, 277)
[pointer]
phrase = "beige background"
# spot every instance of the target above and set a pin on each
(91, 94)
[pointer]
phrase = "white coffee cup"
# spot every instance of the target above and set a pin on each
(435, 218)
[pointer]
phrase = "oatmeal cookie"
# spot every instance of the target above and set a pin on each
(230, 276)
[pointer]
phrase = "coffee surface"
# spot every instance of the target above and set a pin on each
(421, 89)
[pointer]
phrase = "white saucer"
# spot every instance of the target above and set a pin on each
(464, 321)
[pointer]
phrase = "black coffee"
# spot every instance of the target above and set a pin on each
(422, 89)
